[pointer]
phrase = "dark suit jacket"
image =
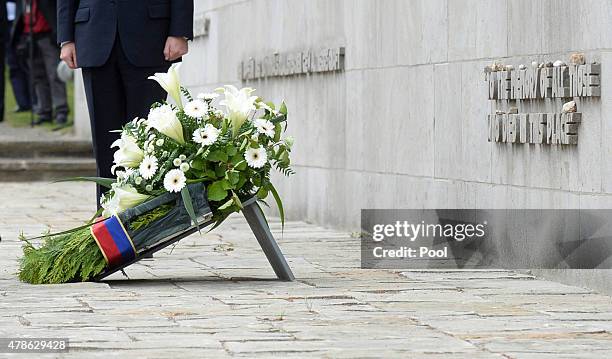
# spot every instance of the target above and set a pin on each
(141, 25)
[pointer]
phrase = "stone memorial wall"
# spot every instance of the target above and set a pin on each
(403, 119)
(389, 108)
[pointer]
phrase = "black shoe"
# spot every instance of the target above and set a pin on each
(41, 120)
(61, 120)
(22, 109)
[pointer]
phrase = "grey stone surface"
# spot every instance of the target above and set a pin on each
(215, 296)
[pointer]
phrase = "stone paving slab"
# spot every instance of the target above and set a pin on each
(215, 296)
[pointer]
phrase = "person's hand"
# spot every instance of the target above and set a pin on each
(68, 54)
(175, 47)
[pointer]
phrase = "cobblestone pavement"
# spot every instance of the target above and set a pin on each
(214, 296)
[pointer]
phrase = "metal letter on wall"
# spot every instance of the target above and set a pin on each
(507, 87)
(296, 63)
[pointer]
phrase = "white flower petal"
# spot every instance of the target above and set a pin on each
(264, 127)
(175, 180)
(256, 157)
(206, 136)
(164, 120)
(148, 167)
(170, 81)
(196, 109)
(129, 154)
(124, 197)
(239, 104)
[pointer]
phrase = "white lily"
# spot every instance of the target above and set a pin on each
(163, 119)
(129, 155)
(124, 197)
(170, 81)
(239, 104)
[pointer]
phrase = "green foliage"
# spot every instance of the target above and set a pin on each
(188, 203)
(72, 256)
(104, 182)
(279, 203)
(186, 93)
(217, 156)
(216, 191)
(61, 259)
(150, 217)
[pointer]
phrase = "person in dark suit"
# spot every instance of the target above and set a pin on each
(35, 20)
(119, 44)
(19, 74)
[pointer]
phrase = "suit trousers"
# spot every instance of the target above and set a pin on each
(50, 90)
(19, 75)
(117, 92)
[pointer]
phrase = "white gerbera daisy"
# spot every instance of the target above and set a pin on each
(148, 167)
(264, 127)
(206, 136)
(256, 157)
(196, 108)
(174, 181)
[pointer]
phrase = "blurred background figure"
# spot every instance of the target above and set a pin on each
(17, 70)
(35, 23)
(3, 36)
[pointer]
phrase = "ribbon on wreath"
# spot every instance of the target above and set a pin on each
(114, 241)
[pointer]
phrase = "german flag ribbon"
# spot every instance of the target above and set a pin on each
(114, 241)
